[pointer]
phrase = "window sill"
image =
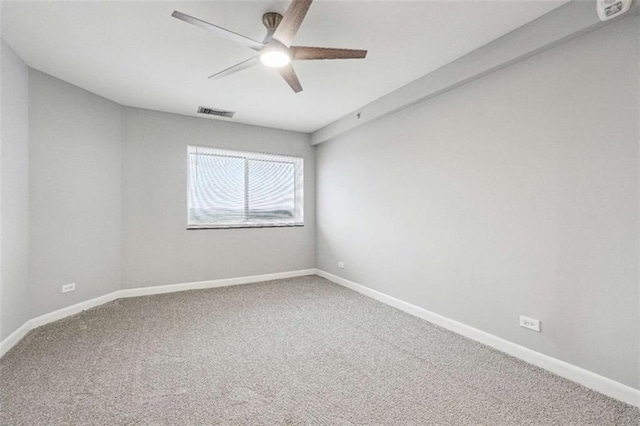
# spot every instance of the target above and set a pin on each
(198, 228)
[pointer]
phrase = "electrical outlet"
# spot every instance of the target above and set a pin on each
(341, 265)
(530, 323)
(68, 287)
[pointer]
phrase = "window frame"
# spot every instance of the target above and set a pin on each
(298, 163)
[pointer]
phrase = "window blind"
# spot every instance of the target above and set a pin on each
(233, 189)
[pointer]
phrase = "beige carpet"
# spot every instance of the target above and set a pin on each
(294, 351)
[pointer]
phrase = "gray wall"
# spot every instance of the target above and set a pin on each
(157, 247)
(74, 193)
(107, 201)
(514, 194)
(14, 184)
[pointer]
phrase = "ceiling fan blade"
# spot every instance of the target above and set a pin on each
(237, 67)
(229, 35)
(287, 72)
(304, 53)
(291, 21)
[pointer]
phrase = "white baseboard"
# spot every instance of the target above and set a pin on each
(225, 282)
(36, 322)
(579, 375)
(14, 338)
(17, 335)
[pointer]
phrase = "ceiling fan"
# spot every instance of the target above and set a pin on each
(276, 50)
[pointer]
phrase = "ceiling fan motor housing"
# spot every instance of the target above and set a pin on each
(271, 20)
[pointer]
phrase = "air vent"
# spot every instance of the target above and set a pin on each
(216, 112)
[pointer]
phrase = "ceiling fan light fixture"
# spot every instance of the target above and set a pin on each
(276, 50)
(275, 58)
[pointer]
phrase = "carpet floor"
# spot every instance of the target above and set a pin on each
(292, 351)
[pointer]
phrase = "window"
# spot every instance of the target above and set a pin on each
(235, 189)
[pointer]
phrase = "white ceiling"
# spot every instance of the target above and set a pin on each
(136, 54)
